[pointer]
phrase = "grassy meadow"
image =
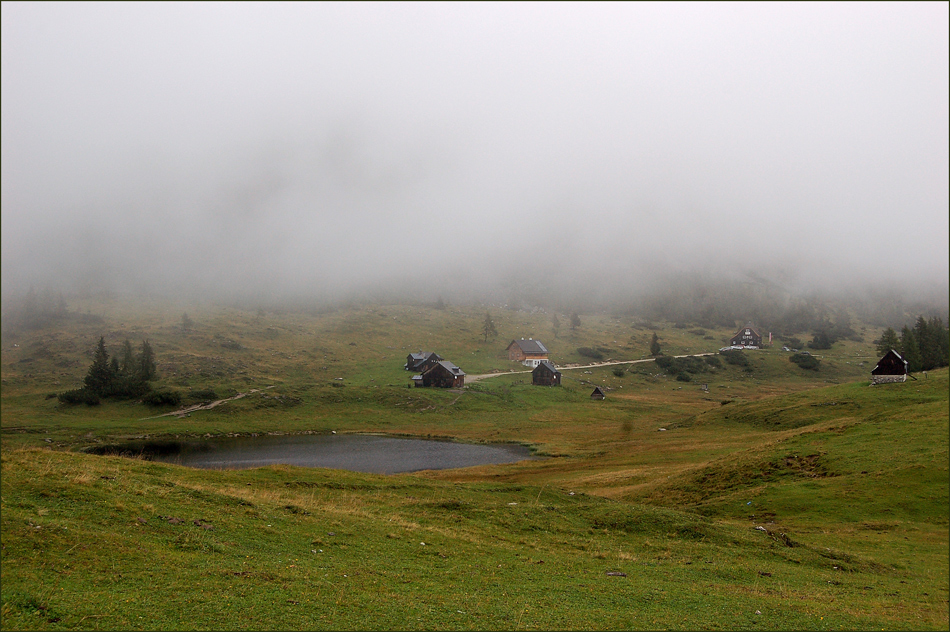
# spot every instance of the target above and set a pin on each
(763, 496)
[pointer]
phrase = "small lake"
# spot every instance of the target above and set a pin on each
(357, 453)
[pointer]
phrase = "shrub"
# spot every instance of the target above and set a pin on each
(735, 356)
(698, 332)
(684, 377)
(79, 396)
(618, 371)
(805, 361)
(712, 361)
(204, 395)
(163, 398)
(587, 352)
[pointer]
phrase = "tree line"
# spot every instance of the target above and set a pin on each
(924, 346)
(123, 376)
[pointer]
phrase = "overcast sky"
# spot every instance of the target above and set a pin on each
(311, 147)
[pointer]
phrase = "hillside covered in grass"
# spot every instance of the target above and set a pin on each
(755, 495)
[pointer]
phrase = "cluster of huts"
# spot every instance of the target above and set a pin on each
(433, 370)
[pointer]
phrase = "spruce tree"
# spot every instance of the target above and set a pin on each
(127, 364)
(910, 350)
(146, 363)
(488, 328)
(100, 376)
(655, 345)
(889, 340)
(575, 321)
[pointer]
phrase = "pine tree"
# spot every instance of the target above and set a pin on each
(555, 324)
(100, 376)
(127, 364)
(575, 321)
(146, 363)
(488, 328)
(655, 345)
(910, 350)
(889, 340)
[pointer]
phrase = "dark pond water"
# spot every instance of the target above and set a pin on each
(357, 453)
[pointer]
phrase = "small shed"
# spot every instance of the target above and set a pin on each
(746, 337)
(444, 374)
(417, 380)
(890, 368)
(598, 393)
(545, 374)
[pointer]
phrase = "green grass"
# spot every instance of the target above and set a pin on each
(778, 499)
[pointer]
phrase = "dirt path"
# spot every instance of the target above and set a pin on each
(181, 412)
(475, 378)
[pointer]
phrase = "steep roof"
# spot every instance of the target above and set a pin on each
(548, 365)
(448, 366)
(529, 346)
(888, 361)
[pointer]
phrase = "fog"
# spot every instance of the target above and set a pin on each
(472, 150)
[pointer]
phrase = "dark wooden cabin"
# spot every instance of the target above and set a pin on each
(598, 394)
(890, 368)
(545, 374)
(746, 337)
(444, 374)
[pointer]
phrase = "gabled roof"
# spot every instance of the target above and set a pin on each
(529, 346)
(885, 357)
(422, 355)
(742, 330)
(548, 365)
(448, 366)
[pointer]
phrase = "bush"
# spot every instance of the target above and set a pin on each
(618, 371)
(821, 340)
(79, 396)
(805, 361)
(712, 361)
(163, 398)
(204, 395)
(587, 352)
(683, 377)
(735, 357)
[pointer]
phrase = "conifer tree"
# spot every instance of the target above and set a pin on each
(488, 328)
(910, 351)
(146, 363)
(575, 321)
(889, 340)
(100, 376)
(655, 345)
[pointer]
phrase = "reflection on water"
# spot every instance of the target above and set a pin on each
(358, 453)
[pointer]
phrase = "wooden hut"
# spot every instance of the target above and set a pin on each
(746, 337)
(598, 393)
(444, 374)
(890, 368)
(545, 374)
(528, 352)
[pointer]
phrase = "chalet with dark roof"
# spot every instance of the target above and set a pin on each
(598, 393)
(528, 352)
(444, 374)
(545, 374)
(890, 368)
(421, 361)
(747, 337)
